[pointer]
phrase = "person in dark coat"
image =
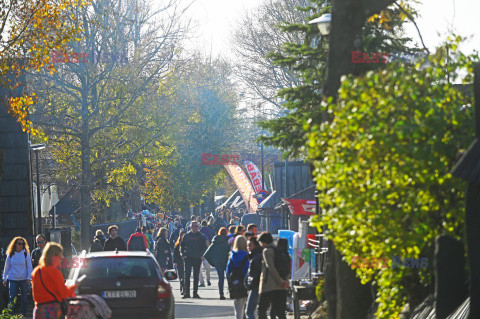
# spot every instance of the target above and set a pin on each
(192, 248)
(114, 242)
(101, 237)
(178, 261)
(217, 256)
(174, 235)
(37, 252)
(162, 247)
(252, 279)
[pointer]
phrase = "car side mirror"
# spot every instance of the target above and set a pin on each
(171, 274)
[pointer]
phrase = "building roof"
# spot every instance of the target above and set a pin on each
(68, 204)
(468, 167)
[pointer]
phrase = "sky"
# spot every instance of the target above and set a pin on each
(216, 20)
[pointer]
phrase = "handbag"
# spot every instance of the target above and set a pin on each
(63, 303)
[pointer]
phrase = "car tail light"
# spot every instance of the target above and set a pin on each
(163, 290)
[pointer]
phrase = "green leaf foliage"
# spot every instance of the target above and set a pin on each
(382, 167)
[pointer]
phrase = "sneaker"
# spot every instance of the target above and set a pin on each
(196, 296)
(222, 298)
(209, 283)
(186, 296)
(201, 285)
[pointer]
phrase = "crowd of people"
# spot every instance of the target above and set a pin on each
(253, 265)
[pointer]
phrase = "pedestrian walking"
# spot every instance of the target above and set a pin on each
(273, 286)
(137, 241)
(217, 256)
(37, 252)
(115, 242)
(162, 248)
(239, 231)
(101, 236)
(192, 247)
(178, 261)
(208, 234)
(252, 228)
(176, 232)
(237, 268)
(48, 287)
(18, 270)
(149, 238)
(96, 244)
(252, 280)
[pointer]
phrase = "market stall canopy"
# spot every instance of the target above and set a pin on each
(228, 201)
(269, 202)
(300, 206)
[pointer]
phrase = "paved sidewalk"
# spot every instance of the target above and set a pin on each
(210, 306)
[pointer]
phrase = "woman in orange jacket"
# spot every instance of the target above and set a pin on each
(48, 285)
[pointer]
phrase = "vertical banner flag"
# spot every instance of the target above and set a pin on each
(243, 184)
(255, 176)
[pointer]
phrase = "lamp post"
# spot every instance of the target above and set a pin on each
(323, 23)
(37, 148)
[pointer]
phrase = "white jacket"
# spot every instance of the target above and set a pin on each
(18, 267)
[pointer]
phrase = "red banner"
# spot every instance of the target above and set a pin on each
(255, 176)
(244, 187)
(301, 206)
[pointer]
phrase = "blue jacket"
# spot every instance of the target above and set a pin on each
(235, 259)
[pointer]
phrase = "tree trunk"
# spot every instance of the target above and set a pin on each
(85, 176)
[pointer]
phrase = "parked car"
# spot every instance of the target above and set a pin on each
(132, 283)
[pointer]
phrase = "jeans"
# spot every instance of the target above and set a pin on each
(207, 267)
(221, 278)
(13, 286)
(239, 305)
(189, 264)
(252, 303)
(278, 300)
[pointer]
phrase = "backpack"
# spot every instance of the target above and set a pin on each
(235, 280)
(136, 243)
(282, 262)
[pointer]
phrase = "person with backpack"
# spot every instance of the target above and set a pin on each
(273, 286)
(18, 271)
(137, 241)
(217, 256)
(237, 268)
(162, 248)
(252, 280)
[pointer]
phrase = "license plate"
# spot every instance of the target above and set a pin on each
(120, 294)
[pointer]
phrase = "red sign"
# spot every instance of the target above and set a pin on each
(301, 206)
(213, 159)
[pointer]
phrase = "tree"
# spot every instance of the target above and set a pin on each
(104, 113)
(257, 36)
(307, 63)
(382, 167)
(205, 90)
(30, 30)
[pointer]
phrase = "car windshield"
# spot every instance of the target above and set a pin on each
(118, 268)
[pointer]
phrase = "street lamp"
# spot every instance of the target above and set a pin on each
(323, 23)
(37, 148)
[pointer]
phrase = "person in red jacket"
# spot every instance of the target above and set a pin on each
(48, 287)
(137, 241)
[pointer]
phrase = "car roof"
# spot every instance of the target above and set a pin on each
(119, 253)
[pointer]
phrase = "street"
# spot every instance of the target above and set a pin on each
(210, 306)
